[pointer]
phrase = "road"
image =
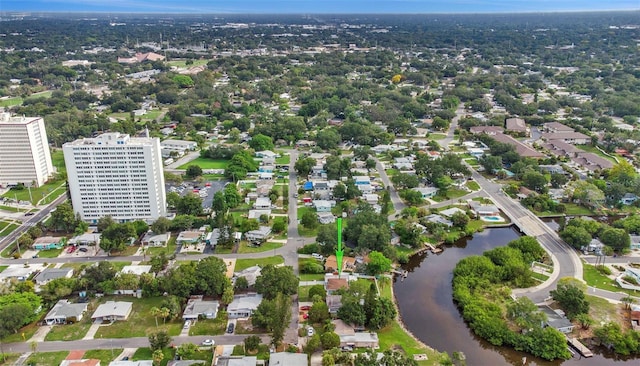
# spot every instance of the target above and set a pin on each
(112, 343)
(31, 221)
(398, 205)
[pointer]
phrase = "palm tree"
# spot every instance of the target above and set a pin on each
(155, 312)
(628, 300)
(164, 313)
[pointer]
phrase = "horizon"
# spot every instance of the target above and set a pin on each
(282, 7)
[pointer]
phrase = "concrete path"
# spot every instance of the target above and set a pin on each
(92, 331)
(127, 352)
(316, 359)
(39, 335)
(22, 359)
(311, 283)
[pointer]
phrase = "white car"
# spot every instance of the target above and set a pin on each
(310, 332)
(187, 324)
(208, 342)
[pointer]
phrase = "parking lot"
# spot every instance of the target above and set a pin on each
(205, 190)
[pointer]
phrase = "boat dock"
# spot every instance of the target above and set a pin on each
(581, 348)
(434, 250)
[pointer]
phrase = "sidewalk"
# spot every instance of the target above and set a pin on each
(92, 331)
(39, 335)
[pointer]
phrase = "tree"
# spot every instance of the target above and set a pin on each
(117, 237)
(352, 312)
(534, 180)
(319, 291)
(63, 218)
(575, 236)
(378, 264)
(403, 180)
(328, 138)
(618, 239)
(155, 312)
(159, 262)
(161, 225)
(157, 357)
(193, 171)
(491, 163)
(219, 203)
(313, 344)
(274, 316)
(227, 295)
(460, 220)
(159, 340)
(251, 343)
(571, 299)
(558, 180)
(389, 358)
(279, 225)
(261, 142)
(274, 280)
(190, 204)
(183, 81)
(319, 312)
(303, 166)
(330, 340)
(241, 284)
(310, 220)
(210, 276)
(186, 350)
(13, 317)
(412, 197)
(585, 320)
(586, 193)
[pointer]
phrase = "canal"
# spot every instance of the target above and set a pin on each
(427, 309)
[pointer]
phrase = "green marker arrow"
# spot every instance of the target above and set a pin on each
(339, 252)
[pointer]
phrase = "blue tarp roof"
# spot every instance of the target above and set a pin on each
(308, 186)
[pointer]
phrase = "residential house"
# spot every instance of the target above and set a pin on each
(321, 187)
(212, 237)
(365, 188)
(262, 203)
(178, 145)
(487, 130)
(288, 359)
(628, 199)
(48, 242)
(189, 237)
(64, 312)
(371, 198)
(137, 270)
(556, 320)
(197, 308)
(516, 125)
(91, 239)
(633, 273)
(476, 152)
(575, 138)
(266, 154)
(20, 272)
(334, 284)
(81, 362)
(258, 235)
(360, 340)
(362, 180)
(112, 311)
(250, 274)
(556, 127)
(243, 306)
(437, 219)
(552, 169)
(132, 363)
(151, 239)
(594, 245)
(522, 149)
(331, 264)
(308, 186)
(267, 168)
(635, 241)
(237, 361)
(141, 57)
(326, 218)
(50, 274)
(322, 206)
(334, 302)
(426, 192)
(402, 163)
(451, 211)
(483, 210)
(305, 143)
(256, 214)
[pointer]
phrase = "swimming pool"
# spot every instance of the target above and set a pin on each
(492, 218)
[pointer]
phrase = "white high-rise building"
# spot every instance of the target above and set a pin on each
(24, 151)
(116, 175)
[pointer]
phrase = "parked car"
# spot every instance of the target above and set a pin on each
(310, 332)
(84, 250)
(208, 342)
(187, 324)
(306, 307)
(230, 328)
(29, 214)
(317, 256)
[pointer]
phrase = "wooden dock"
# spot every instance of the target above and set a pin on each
(581, 348)
(434, 250)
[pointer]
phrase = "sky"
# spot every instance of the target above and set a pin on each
(316, 6)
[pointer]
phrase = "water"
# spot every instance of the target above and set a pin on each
(426, 305)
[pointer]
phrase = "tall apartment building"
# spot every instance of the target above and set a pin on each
(24, 151)
(116, 175)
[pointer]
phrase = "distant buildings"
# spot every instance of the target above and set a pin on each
(141, 57)
(24, 151)
(116, 175)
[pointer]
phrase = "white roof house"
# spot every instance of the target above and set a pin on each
(261, 234)
(50, 274)
(113, 310)
(250, 274)
(243, 306)
(451, 211)
(197, 307)
(262, 203)
(255, 214)
(360, 339)
(326, 218)
(20, 272)
(132, 363)
(266, 154)
(156, 240)
(64, 311)
(288, 359)
(136, 269)
(427, 192)
(86, 239)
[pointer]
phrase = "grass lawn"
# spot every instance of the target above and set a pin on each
(473, 185)
(243, 263)
(573, 209)
(140, 322)
(9, 358)
(128, 250)
(205, 163)
(145, 353)
(283, 159)
(50, 253)
(168, 250)
(436, 136)
(69, 332)
(394, 337)
(10, 209)
(104, 355)
(183, 63)
(593, 149)
(10, 102)
(539, 276)
(2, 268)
(311, 277)
(596, 279)
(28, 331)
(246, 248)
(47, 358)
(450, 193)
(37, 193)
(6, 228)
(303, 293)
(215, 326)
(307, 233)
(602, 310)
